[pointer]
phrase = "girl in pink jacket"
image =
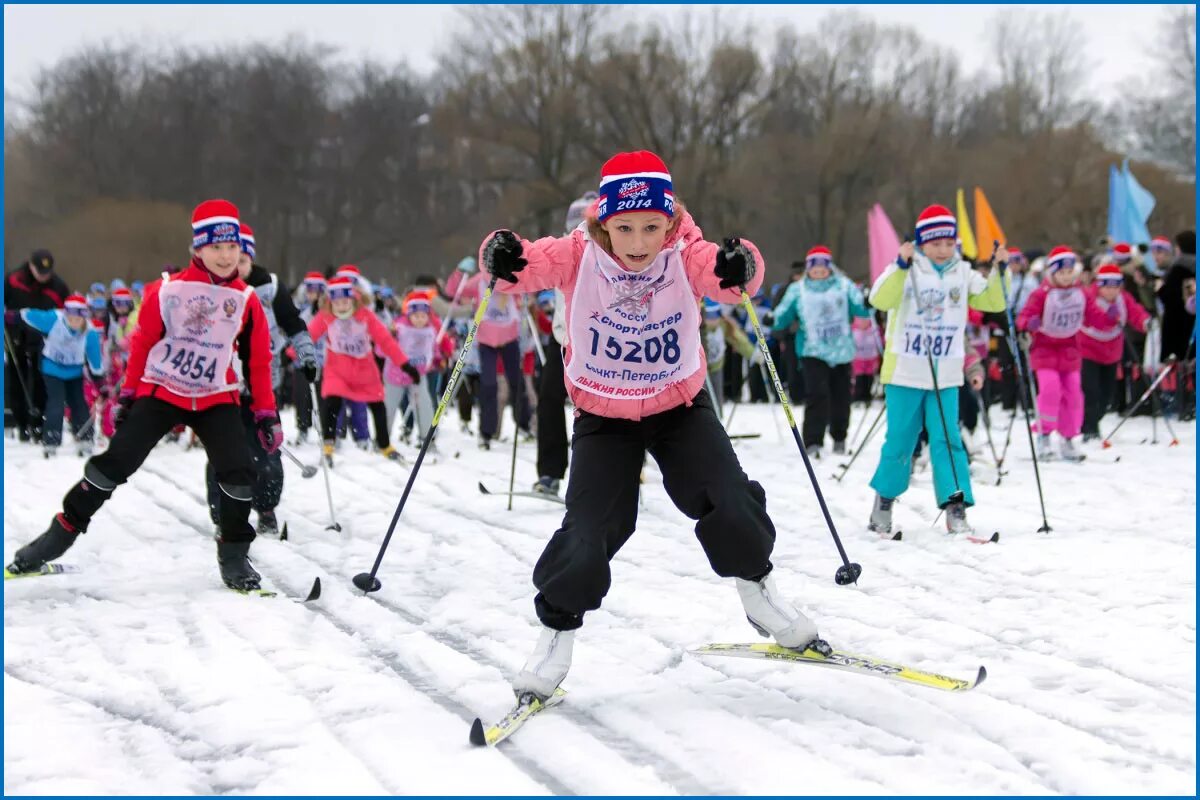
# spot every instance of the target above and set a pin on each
(1054, 314)
(350, 371)
(634, 365)
(1103, 345)
(499, 339)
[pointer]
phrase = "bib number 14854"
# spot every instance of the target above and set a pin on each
(190, 365)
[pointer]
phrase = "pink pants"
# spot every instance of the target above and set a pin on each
(1060, 402)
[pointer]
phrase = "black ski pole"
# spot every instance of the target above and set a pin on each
(1012, 345)
(516, 405)
(366, 581)
(957, 496)
(1171, 364)
(866, 412)
(333, 525)
(12, 353)
(849, 571)
(863, 444)
(987, 422)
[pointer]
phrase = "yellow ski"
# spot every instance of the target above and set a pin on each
(863, 665)
(528, 706)
(47, 569)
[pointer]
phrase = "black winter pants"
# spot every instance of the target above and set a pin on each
(268, 472)
(827, 404)
(701, 474)
(551, 421)
(60, 394)
(220, 431)
(1099, 382)
(489, 412)
(25, 376)
(333, 406)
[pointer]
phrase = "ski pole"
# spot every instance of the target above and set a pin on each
(1012, 345)
(987, 424)
(537, 339)
(1012, 418)
(1167, 421)
(516, 406)
(770, 388)
(306, 470)
(866, 412)
(367, 581)
(1171, 364)
(712, 392)
(849, 571)
(863, 444)
(12, 353)
(957, 496)
(333, 523)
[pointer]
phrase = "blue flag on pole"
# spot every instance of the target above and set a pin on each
(1129, 206)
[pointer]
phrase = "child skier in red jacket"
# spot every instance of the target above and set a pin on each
(192, 327)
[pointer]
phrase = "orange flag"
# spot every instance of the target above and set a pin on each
(987, 229)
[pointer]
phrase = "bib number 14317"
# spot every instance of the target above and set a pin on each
(921, 344)
(190, 365)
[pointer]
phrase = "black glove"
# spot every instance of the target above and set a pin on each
(310, 368)
(768, 319)
(502, 256)
(124, 403)
(735, 264)
(411, 371)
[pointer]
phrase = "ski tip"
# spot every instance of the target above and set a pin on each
(981, 677)
(483, 489)
(315, 591)
(477, 737)
(899, 536)
(283, 534)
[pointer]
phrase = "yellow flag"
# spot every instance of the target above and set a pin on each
(988, 228)
(965, 236)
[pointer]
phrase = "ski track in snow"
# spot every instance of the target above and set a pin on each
(143, 674)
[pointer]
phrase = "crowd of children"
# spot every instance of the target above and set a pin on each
(219, 345)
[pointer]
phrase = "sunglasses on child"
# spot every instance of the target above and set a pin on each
(77, 312)
(1066, 263)
(820, 261)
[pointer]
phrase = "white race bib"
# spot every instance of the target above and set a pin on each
(201, 322)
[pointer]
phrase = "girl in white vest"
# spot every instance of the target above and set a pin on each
(926, 292)
(417, 334)
(634, 367)
(70, 341)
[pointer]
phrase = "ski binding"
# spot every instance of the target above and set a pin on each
(527, 706)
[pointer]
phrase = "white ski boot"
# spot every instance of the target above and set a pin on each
(1045, 452)
(547, 665)
(881, 515)
(772, 615)
(1069, 452)
(956, 519)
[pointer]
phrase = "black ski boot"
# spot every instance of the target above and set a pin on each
(234, 560)
(57, 539)
(268, 525)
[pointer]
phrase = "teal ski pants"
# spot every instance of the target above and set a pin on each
(908, 410)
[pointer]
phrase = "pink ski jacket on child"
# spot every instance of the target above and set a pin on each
(1061, 313)
(350, 371)
(1104, 343)
(554, 264)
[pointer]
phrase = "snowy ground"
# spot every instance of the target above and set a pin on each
(144, 675)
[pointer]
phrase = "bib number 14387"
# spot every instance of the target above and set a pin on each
(190, 365)
(920, 344)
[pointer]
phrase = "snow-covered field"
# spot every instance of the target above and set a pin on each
(143, 675)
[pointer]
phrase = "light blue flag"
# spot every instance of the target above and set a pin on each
(1116, 203)
(1138, 205)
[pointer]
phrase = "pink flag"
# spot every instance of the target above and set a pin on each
(882, 241)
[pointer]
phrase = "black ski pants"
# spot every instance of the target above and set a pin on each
(333, 406)
(827, 403)
(302, 397)
(24, 376)
(64, 394)
(268, 472)
(219, 429)
(703, 478)
(489, 387)
(551, 421)
(1099, 382)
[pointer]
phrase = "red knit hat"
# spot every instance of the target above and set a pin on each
(1015, 254)
(1109, 275)
(1122, 252)
(76, 304)
(247, 240)
(341, 286)
(417, 301)
(637, 181)
(936, 222)
(1161, 243)
(122, 295)
(215, 221)
(1061, 257)
(819, 256)
(315, 279)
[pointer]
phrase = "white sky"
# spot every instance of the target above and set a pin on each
(1119, 36)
